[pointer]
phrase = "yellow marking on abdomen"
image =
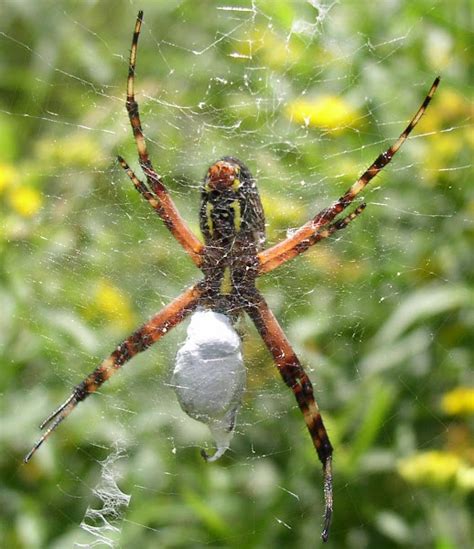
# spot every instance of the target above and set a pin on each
(210, 224)
(235, 205)
(226, 282)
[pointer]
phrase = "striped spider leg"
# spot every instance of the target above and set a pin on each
(157, 327)
(157, 195)
(297, 380)
(307, 235)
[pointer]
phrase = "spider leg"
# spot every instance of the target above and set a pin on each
(303, 238)
(162, 202)
(296, 378)
(158, 326)
(170, 216)
(328, 230)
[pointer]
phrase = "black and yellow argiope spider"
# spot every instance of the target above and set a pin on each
(231, 259)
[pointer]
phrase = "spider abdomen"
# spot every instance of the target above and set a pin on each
(231, 210)
(233, 225)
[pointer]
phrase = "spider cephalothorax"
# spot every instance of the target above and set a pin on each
(231, 258)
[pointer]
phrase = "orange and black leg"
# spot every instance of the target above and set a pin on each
(156, 194)
(304, 237)
(166, 209)
(141, 339)
(296, 378)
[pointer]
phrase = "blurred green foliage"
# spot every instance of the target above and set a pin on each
(382, 316)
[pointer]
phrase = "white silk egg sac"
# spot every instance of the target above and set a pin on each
(209, 375)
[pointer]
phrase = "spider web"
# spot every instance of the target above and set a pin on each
(99, 522)
(307, 94)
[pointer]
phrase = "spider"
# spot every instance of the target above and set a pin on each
(231, 258)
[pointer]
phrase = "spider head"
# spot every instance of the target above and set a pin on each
(223, 175)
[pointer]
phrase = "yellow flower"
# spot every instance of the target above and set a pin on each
(432, 468)
(453, 105)
(8, 175)
(465, 479)
(449, 108)
(329, 112)
(459, 401)
(110, 302)
(25, 200)
(443, 149)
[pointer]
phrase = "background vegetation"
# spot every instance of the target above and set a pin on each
(307, 94)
